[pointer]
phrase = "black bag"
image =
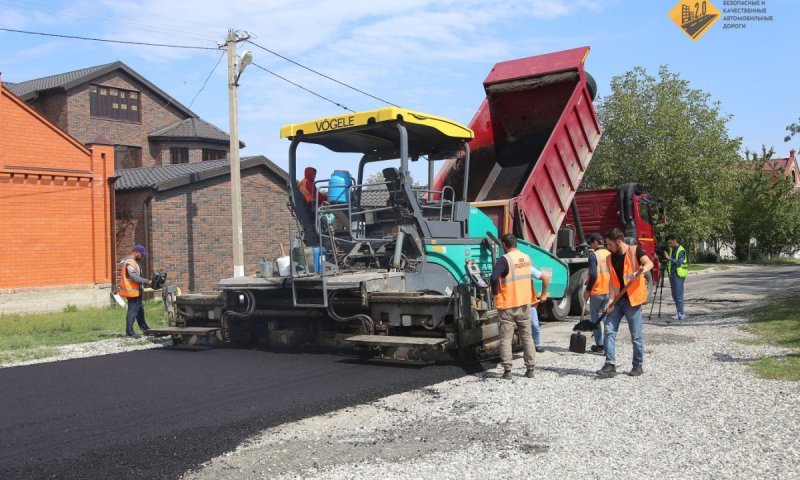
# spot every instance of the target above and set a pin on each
(577, 343)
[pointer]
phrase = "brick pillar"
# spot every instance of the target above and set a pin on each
(102, 161)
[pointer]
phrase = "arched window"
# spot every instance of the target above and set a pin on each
(794, 177)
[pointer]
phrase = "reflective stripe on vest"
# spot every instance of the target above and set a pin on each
(302, 186)
(127, 287)
(516, 288)
(600, 286)
(683, 270)
(637, 292)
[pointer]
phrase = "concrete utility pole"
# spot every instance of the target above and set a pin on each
(236, 178)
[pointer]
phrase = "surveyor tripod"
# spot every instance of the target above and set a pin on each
(659, 292)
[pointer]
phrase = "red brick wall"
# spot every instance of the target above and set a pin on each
(55, 203)
(191, 231)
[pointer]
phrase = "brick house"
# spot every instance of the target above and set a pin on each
(183, 214)
(55, 199)
(786, 167)
(146, 126)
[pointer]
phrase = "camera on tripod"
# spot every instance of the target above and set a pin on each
(660, 251)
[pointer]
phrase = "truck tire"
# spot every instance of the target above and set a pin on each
(576, 288)
(557, 309)
(591, 85)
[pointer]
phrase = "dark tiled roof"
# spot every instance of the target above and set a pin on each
(190, 129)
(166, 177)
(65, 81)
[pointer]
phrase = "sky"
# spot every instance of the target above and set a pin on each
(430, 56)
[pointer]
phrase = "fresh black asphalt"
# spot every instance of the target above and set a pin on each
(158, 413)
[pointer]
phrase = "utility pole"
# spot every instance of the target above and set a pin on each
(234, 71)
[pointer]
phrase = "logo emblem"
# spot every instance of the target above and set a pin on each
(694, 18)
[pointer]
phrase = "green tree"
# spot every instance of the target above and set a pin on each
(766, 209)
(674, 140)
(793, 129)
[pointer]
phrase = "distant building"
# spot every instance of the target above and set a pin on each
(173, 190)
(183, 214)
(786, 167)
(146, 125)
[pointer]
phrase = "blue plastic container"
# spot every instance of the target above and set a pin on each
(317, 253)
(339, 186)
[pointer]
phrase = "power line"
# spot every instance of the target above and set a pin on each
(302, 87)
(322, 74)
(207, 78)
(72, 13)
(74, 37)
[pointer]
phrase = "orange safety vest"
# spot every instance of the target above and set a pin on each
(516, 288)
(303, 187)
(127, 287)
(637, 292)
(600, 286)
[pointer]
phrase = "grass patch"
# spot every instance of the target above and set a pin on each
(32, 334)
(781, 368)
(696, 268)
(777, 324)
(19, 356)
(764, 261)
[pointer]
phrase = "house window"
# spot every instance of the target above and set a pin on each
(114, 103)
(794, 177)
(211, 154)
(179, 155)
(127, 157)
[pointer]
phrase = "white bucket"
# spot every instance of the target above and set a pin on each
(283, 266)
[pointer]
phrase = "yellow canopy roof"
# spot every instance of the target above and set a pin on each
(374, 131)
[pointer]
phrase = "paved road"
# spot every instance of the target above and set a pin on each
(154, 414)
(730, 291)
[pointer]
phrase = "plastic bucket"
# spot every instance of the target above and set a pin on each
(266, 268)
(284, 269)
(339, 186)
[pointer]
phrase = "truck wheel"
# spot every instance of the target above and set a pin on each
(576, 288)
(558, 308)
(591, 85)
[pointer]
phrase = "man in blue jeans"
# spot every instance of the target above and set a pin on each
(627, 265)
(596, 292)
(677, 270)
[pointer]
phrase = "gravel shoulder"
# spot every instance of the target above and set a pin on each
(697, 412)
(93, 349)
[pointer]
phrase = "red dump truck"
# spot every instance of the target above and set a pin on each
(535, 134)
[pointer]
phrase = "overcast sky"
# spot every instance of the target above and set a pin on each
(425, 55)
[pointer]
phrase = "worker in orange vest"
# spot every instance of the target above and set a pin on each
(597, 286)
(512, 285)
(308, 189)
(131, 285)
(627, 265)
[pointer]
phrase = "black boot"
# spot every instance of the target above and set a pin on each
(507, 375)
(636, 370)
(609, 370)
